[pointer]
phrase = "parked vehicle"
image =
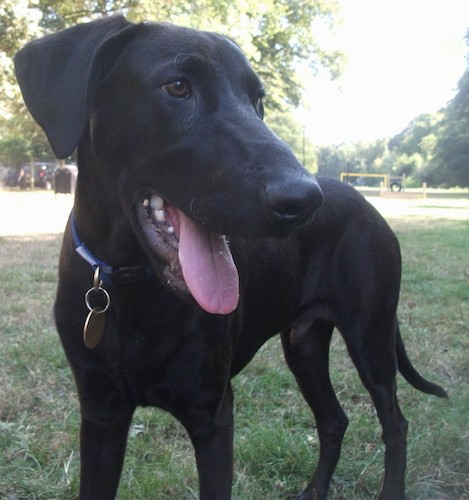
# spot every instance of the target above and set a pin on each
(396, 183)
(43, 175)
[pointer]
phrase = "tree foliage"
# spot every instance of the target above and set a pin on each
(410, 153)
(433, 148)
(286, 126)
(451, 164)
(276, 35)
(357, 157)
(59, 14)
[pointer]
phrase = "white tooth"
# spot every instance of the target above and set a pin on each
(146, 202)
(160, 216)
(159, 203)
(170, 229)
(156, 202)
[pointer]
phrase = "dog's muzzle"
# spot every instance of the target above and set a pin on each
(199, 261)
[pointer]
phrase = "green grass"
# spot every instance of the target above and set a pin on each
(275, 441)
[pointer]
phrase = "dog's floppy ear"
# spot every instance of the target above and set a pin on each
(53, 73)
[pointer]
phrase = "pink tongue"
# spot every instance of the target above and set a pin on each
(208, 268)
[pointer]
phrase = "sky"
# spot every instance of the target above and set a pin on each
(403, 58)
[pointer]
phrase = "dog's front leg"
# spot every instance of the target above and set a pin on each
(102, 447)
(212, 437)
(105, 422)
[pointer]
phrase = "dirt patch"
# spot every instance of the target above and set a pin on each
(439, 208)
(42, 212)
(30, 213)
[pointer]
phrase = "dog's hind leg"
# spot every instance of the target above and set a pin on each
(373, 350)
(306, 350)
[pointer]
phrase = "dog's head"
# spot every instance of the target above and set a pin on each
(168, 122)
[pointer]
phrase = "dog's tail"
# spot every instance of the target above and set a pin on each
(411, 374)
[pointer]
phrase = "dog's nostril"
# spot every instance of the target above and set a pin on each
(286, 209)
(292, 204)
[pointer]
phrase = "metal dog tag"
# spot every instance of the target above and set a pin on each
(94, 328)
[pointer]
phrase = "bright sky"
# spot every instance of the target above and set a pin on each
(404, 58)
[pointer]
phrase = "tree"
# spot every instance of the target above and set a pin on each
(451, 164)
(287, 127)
(19, 135)
(352, 157)
(14, 151)
(60, 14)
(276, 35)
(332, 160)
(412, 139)
(411, 152)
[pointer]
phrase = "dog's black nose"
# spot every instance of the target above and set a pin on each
(290, 204)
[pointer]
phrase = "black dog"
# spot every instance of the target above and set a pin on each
(173, 155)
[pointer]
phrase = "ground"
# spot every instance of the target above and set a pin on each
(42, 212)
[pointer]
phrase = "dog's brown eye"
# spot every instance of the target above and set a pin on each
(177, 88)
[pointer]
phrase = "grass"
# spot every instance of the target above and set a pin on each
(275, 441)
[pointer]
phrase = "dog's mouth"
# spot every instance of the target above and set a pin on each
(196, 259)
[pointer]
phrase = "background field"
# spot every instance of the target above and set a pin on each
(276, 445)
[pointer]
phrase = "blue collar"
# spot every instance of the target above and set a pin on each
(108, 274)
